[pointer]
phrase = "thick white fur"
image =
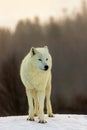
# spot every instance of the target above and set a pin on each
(37, 81)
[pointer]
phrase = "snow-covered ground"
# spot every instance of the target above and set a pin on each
(59, 122)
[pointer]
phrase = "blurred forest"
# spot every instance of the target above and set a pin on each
(67, 42)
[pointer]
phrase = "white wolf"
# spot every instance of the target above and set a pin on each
(35, 74)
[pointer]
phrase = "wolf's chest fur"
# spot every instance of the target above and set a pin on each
(37, 79)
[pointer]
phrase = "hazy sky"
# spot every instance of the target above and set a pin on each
(13, 10)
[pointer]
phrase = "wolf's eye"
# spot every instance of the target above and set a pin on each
(39, 59)
(46, 59)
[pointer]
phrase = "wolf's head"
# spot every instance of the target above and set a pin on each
(41, 58)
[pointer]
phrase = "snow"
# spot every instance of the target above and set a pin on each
(59, 122)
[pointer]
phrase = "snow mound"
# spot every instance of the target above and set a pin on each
(59, 122)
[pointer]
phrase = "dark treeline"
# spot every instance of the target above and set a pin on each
(67, 42)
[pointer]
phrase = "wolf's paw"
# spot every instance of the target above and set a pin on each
(42, 121)
(50, 115)
(30, 119)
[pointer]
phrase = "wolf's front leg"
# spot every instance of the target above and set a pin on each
(41, 97)
(48, 101)
(35, 104)
(30, 104)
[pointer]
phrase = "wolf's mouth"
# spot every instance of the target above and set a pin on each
(46, 67)
(43, 69)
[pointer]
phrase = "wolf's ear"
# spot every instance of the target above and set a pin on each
(46, 47)
(33, 51)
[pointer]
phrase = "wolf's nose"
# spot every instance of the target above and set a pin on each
(46, 67)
